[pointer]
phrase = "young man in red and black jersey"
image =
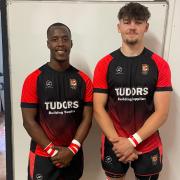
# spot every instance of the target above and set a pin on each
(56, 106)
(132, 89)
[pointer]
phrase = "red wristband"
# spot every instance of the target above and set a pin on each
(74, 146)
(135, 139)
(49, 149)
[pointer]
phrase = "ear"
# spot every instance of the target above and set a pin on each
(147, 27)
(47, 43)
(118, 27)
(71, 43)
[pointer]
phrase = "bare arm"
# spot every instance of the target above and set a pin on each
(85, 125)
(155, 121)
(33, 128)
(107, 127)
(162, 102)
(65, 155)
(102, 117)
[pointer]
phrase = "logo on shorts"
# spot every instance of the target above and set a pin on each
(39, 177)
(49, 84)
(119, 70)
(108, 160)
(145, 69)
(73, 83)
(154, 159)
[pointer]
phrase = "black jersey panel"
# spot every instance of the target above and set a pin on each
(131, 83)
(59, 98)
(60, 85)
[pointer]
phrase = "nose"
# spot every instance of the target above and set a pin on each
(132, 25)
(60, 42)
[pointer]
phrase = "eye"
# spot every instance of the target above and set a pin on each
(54, 39)
(126, 21)
(65, 39)
(139, 22)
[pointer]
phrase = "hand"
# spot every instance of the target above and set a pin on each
(122, 148)
(131, 157)
(63, 157)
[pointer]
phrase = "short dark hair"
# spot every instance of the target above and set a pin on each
(135, 11)
(57, 24)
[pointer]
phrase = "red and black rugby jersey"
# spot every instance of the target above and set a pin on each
(60, 98)
(130, 83)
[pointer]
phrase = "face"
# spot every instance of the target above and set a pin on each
(60, 44)
(132, 31)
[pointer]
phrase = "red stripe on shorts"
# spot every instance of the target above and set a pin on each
(102, 146)
(31, 163)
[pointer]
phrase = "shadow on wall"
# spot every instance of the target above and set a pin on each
(92, 156)
(153, 44)
(169, 136)
(80, 63)
(91, 146)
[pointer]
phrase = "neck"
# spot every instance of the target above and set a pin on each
(132, 50)
(59, 65)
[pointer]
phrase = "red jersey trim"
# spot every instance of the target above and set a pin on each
(100, 74)
(29, 90)
(88, 96)
(31, 163)
(96, 90)
(40, 152)
(28, 105)
(88, 104)
(164, 74)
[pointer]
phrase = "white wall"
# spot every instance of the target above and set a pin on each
(170, 131)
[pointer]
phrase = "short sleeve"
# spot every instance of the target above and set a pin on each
(29, 98)
(164, 74)
(100, 75)
(88, 96)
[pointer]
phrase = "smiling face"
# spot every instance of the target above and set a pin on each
(132, 30)
(59, 43)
